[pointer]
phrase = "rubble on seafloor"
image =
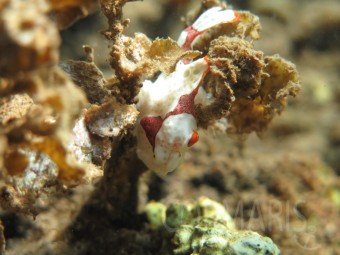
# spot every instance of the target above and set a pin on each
(204, 227)
(68, 149)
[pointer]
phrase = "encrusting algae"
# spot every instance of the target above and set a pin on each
(205, 227)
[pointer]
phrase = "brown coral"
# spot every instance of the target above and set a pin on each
(248, 88)
(35, 129)
(87, 76)
(36, 112)
(28, 38)
(256, 112)
(67, 12)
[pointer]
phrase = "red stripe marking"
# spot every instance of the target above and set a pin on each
(152, 124)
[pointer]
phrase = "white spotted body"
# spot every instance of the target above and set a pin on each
(170, 145)
(167, 124)
(210, 18)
